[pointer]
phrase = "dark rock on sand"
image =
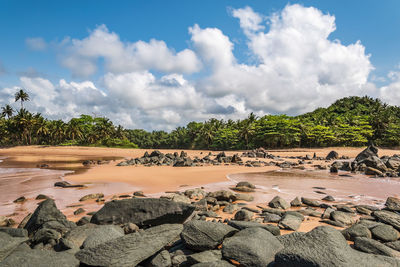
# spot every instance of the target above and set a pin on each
(65, 184)
(374, 247)
(295, 202)
(20, 200)
(290, 222)
(92, 196)
(328, 198)
(326, 246)
(392, 204)
(40, 258)
(131, 249)
(251, 247)
(332, 155)
(356, 230)
(342, 217)
(388, 217)
(47, 215)
(270, 217)
(385, 233)
(310, 202)
(278, 203)
(244, 215)
(240, 225)
(203, 235)
(143, 212)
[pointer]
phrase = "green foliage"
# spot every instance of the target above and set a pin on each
(351, 121)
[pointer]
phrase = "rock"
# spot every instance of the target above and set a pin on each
(131, 249)
(244, 215)
(356, 230)
(370, 151)
(20, 200)
(290, 239)
(373, 171)
(328, 198)
(138, 194)
(22, 223)
(177, 198)
(45, 236)
(76, 237)
(342, 217)
(327, 213)
(4, 221)
(102, 234)
(205, 256)
(393, 163)
(334, 223)
(48, 214)
(295, 202)
(143, 212)
(40, 258)
(332, 155)
(244, 197)
(385, 233)
(14, 232)
(243, 189)
(92, 196)
(41, 196)
(203, 235)
(326, 246)
(220, 263)
(310, 202)
(393, 204)
(333, 169)
(388, 217)
(65, 184)
(79, 211)
(270, 217)
(290, 222)
(394, 245)
(240, 225)
(278, 203)
(130, 228)
(161, 259)
(251, 247)
(374, 247)
(363, 210)
(82, 221)
(246, 184)
(231, 208)
(223, 195)
(8, 244)
(344, 208)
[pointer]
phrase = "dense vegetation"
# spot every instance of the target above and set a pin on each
(351, 121)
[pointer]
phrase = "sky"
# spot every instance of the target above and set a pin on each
(156, 65)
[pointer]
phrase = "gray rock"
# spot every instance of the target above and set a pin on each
(131, 249)
(205, 256)
(356, 230)
(8, 244)
(246, 184)
(220, 263)
(48, 214)
(310, 202)
(334, 223)
(143, 212)
(342, 217)
(385, 233)
(328, 198)
(332, 155)
(45, 235)
(270, 217)
(251, 247)
(374, 247)
(223, 195)
(40, 258)
(289, 239)
(76, 237)
(290, 222)
(327, 213)
(244, 215)
(273, 229)
(394, 245)
(203, 235)
(392, 204)
(278, 203)
(388, 217)
(244, 197)
(161, 259)
(231, 208)
(14, 232)
(363, 210)
(326, 246)
(344, 208)
(295, 202)
(102, 234)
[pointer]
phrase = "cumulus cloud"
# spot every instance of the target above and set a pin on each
(36, 43)
(120, 57)
(147, 84)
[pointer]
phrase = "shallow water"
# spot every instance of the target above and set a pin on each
(288, 184)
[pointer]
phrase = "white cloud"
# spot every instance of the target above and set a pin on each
(120, 57)
(250, 21)
(36, 43)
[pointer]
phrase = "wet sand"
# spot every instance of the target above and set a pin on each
(66, 163)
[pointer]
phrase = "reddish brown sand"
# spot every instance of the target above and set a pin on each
(113, 180)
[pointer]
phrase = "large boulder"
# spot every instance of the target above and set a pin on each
(290, 221)
(240, 225)
(332, 155)
(143, 212)
(102, 234)
(342, 217)
(278, 203)
(244, 215)
(203, 235)
(374, 247)
(385, 233)
(356, 230)
(47, 215)
(130, 249)
(8, 244)
(326, 246)
(251, 247)
(370, 151)
(388, 217)
(393, 204)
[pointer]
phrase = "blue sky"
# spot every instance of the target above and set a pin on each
(376, 24)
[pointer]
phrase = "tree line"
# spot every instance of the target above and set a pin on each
(350, 121)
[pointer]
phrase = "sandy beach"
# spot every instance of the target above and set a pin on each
(65, 163)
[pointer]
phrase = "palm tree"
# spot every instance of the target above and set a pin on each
(22, 96)
(7, 110)
(247, 128)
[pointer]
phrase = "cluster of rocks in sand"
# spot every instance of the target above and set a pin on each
(199, 228)
(370, 163)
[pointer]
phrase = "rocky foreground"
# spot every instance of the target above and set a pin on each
(184, 229)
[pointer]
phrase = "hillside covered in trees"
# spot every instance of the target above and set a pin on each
(351, 121)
